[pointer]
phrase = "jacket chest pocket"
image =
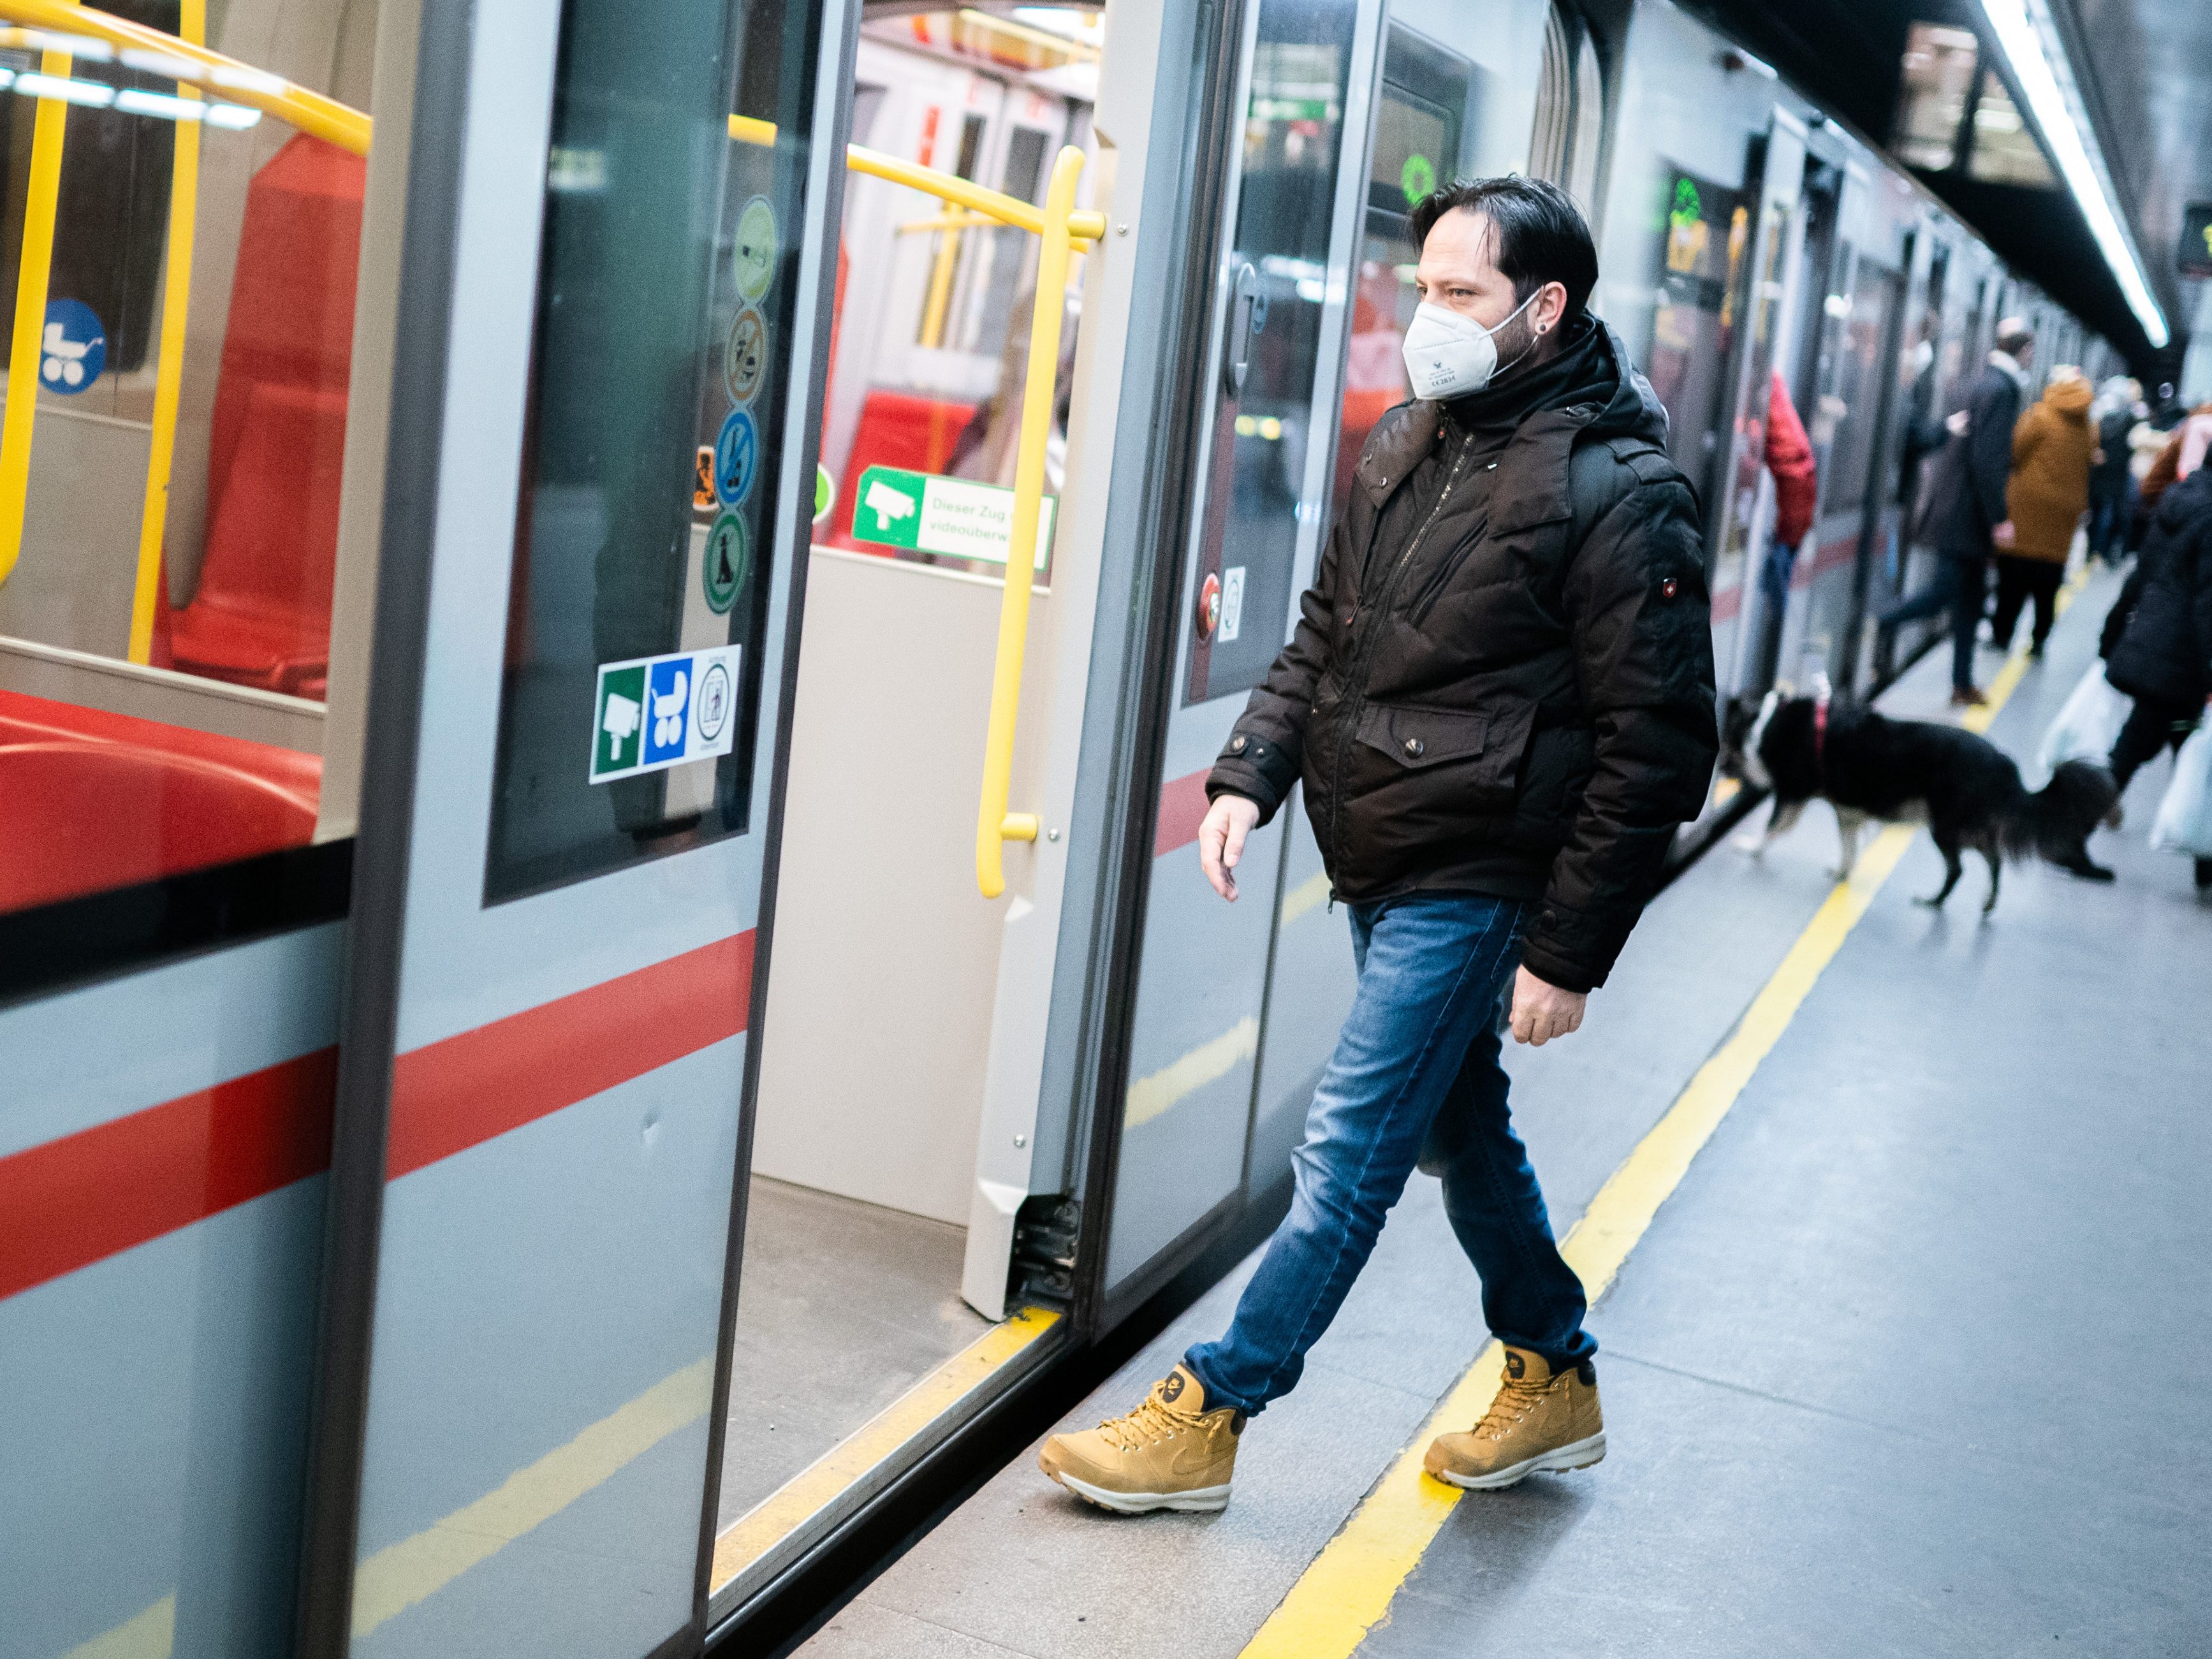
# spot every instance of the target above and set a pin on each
(1450, 761)
(1465, 555)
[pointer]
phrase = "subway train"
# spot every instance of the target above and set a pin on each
(535, 1096)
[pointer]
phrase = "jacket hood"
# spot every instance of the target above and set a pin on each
(2188, 499)
(1629, 409)
(2070, 398)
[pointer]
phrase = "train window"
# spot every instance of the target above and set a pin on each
(928, 373)
(1427, 98)
(1702, 266)
(1293, 135)
(658, 381)
(1876, 291)
(170, 466)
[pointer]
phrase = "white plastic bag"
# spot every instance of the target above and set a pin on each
(2088, 725)
(2184, 816)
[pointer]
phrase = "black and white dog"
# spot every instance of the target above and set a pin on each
(1965, 787)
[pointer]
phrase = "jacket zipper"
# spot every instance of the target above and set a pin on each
(1356, 684)
(1425, 600)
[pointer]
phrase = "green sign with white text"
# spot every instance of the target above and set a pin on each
(957, 518)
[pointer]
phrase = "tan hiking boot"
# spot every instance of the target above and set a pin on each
(1538, 1421)
(1169, 1453)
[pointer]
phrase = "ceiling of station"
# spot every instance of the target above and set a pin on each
(2146, 69)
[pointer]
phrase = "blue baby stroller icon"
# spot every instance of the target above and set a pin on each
(73, 349)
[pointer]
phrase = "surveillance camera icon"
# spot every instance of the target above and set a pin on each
(622, 718)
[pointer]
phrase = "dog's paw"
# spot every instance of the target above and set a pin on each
(1753, 843)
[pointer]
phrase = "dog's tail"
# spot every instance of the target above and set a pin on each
(2055, 822)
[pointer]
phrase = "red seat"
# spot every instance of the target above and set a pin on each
(262, 614)
(90, 801)
(897, 428)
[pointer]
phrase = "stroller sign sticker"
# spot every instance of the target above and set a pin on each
(73, 349)
(652, 713)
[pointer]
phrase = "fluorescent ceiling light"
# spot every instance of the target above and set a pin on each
(2038, 64)
(96, 95)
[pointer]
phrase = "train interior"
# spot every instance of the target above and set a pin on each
(187, 584)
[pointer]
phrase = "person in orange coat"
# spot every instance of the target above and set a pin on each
(2044, 499)
(1796, 487)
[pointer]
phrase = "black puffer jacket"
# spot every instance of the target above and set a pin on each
(2164, 653)
(1502, 681)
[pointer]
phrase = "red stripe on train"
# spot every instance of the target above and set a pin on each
(448, 1097)
(85, 1197)
(1183, 809)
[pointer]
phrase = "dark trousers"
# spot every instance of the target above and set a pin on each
(2110, 507)
(2151, 726)
(2020, 580)
(1960, 581)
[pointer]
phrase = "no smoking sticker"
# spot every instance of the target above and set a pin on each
(757, 247)
(744, 355)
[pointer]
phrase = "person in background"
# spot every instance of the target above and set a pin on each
(1796, 487)
(2112, 485)
(2044, 499)
(2159, 637)
(1965, 507)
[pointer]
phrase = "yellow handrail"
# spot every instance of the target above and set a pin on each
(140, 47)
(995, 825)
(169, 369)
(26, 347)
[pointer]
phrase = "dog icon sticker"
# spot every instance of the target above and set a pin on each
(757, 248)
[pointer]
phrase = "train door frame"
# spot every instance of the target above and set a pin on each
(1887, 452)
(470, 195)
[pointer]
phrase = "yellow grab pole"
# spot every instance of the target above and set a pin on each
(26, 350)
(169, 371)
(995, 825)
(141, 47)
(940, 288)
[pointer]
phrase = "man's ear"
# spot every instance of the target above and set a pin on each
(1549, 307)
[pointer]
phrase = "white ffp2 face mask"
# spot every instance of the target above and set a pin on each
(1449, 356)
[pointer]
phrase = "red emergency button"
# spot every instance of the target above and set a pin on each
(1209, 607)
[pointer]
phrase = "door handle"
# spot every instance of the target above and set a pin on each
(1248, 315)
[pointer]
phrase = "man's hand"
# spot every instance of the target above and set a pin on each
(2003, 536)
(1541, 1011)
(1221, 839)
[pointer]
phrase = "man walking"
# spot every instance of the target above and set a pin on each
(1499, 699)
(1965, 517)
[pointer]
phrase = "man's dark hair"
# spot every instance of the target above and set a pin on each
(1538, 234)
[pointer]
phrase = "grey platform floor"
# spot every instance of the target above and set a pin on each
(842, 1308)
(1916, 1358)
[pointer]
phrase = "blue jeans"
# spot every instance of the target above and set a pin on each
(1414, 1078)
(1960, 584)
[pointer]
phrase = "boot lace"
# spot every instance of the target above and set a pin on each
(1149, 1423)
(1516, 1399)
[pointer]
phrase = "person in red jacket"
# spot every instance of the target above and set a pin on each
(1796, 484)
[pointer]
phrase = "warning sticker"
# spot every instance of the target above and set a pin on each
(652, 713)
(737, 459)
(703, 481)
(932, 514)
(744, 355)
(722, 573)
(757, 247)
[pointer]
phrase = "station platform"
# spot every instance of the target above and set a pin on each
(1900, 1222)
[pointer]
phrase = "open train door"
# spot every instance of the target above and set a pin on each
(579, 673)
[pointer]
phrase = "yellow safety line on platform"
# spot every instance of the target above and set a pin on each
(151, 1635)
(399, 1576)
(1349, 1586)
(805, 1494)
(169, 364)
(26, 346)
